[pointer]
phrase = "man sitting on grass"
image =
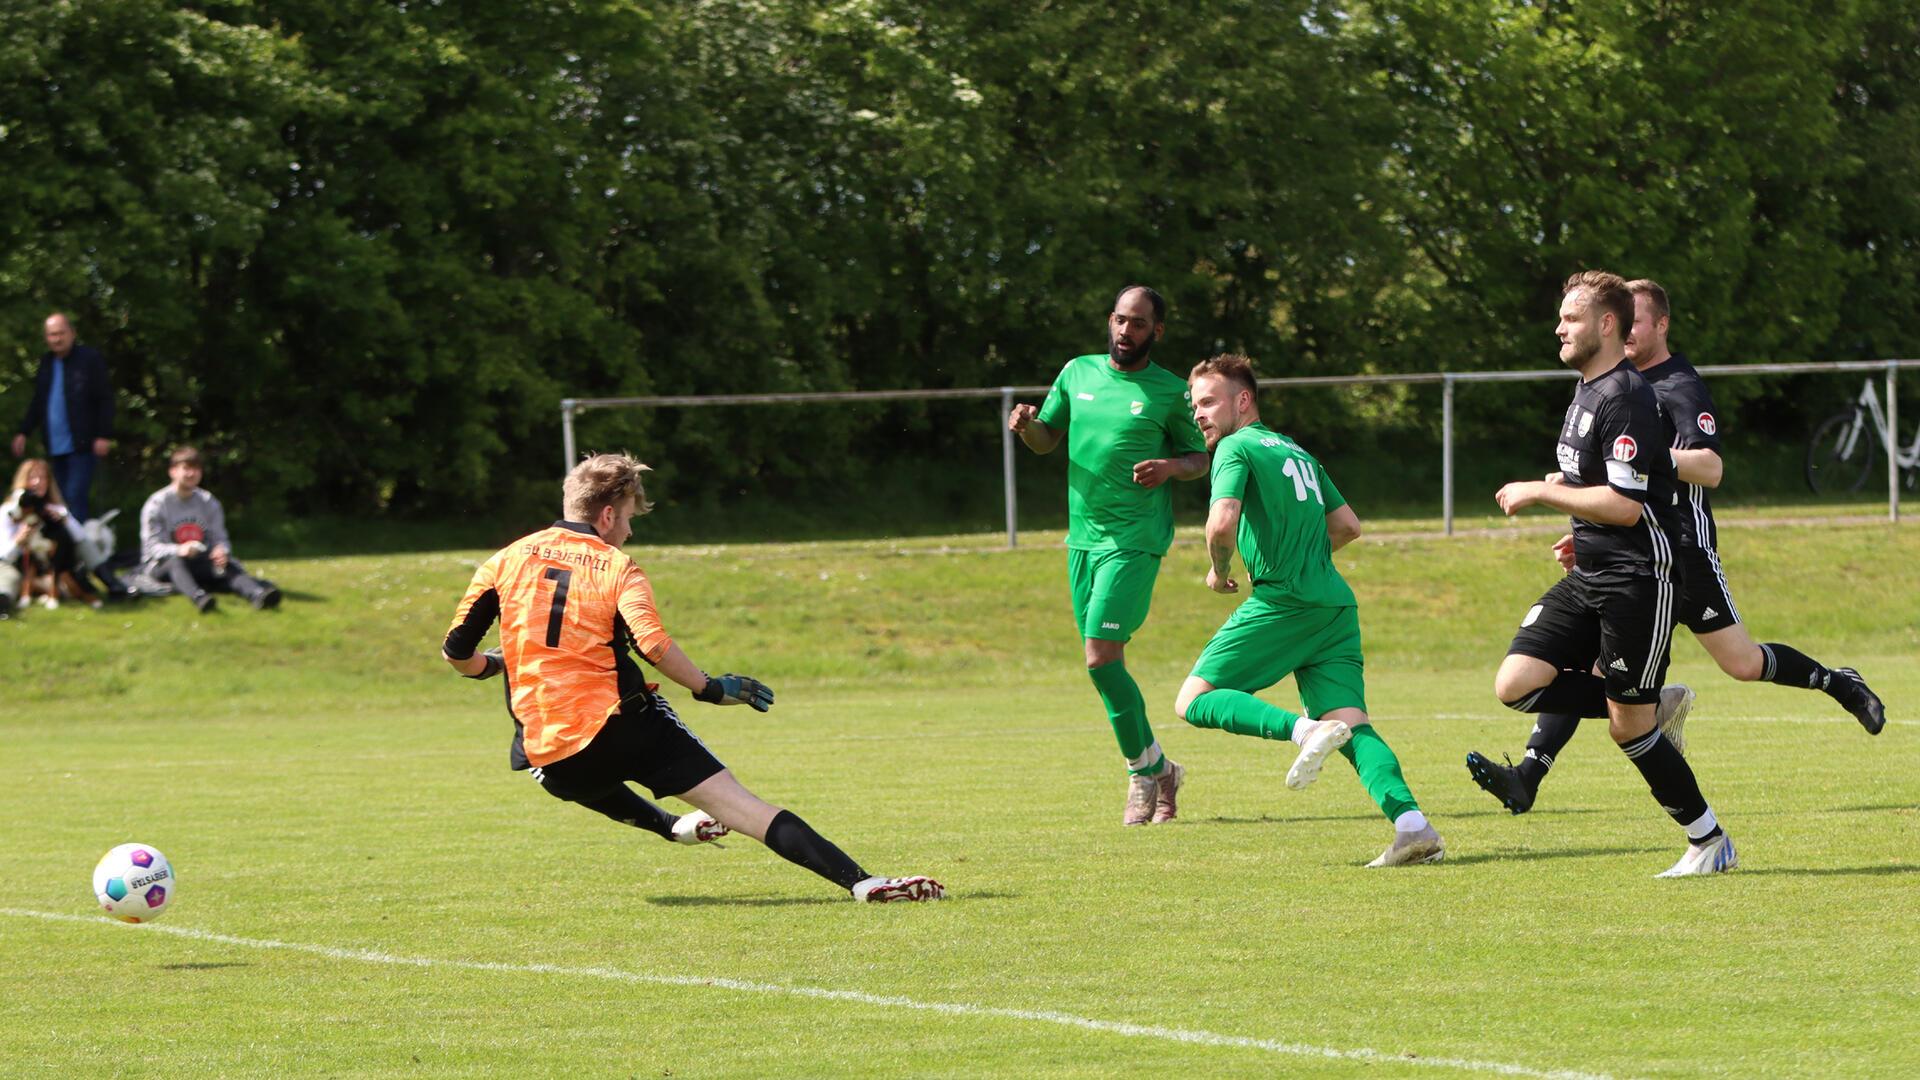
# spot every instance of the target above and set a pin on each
(183, 540)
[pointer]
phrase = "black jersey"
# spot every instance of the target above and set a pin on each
(1683, 394)
(1615, 435)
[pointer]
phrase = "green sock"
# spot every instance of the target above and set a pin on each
(1379, 771)
(1240, 713)
(1127, 712)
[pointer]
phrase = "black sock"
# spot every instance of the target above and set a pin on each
(1788, 666)
(623, 805)
(1581, 693)
(1671, 780)
(1551, 733)
(795, 841)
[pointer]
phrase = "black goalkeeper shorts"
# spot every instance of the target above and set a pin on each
(647, 745)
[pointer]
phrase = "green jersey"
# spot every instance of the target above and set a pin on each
(1114, 420)
(1285, 496)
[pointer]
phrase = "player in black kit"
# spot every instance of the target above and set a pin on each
(1615, 608)
(1706, 605)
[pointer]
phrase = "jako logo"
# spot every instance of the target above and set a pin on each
(1109, 626)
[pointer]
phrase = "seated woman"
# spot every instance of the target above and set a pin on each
(36, 539)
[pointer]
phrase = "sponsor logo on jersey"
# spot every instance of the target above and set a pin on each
(1569, 460)
(1624, 448)
(1084, 396)
(1271, 442)
(1705, 420)
(1136, 407)
(1586, 421)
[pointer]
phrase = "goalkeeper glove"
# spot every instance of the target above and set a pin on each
(736, 690)
(495, 664)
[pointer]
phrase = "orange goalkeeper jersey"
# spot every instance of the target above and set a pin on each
(569, 605)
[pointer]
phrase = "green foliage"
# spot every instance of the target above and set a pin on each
(361, 251)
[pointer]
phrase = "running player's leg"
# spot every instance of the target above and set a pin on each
(1259, 645)
(1783, 665)
(729, 801)
(1636, 632)
(1112, 591)
(1547, 672)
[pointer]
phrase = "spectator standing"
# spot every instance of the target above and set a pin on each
(73, 401)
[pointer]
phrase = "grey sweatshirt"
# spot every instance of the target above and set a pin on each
(167, 521)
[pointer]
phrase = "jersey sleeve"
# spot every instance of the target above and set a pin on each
(1629, 434)
(1229, 472)
(1690, 405)
(1181, 430)
(642, 619)
(1057, 411)
(476, 614)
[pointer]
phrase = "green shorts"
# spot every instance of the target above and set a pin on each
(1112, 590)
(1263, 643)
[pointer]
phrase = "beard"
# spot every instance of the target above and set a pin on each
(1128, 355)
(1583, 352)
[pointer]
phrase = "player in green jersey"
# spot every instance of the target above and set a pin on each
(1128, 429)
(1281, 507)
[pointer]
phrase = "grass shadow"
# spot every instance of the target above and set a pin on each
(796, 901)
(205, 965)
(1534, 855)
(1831, 871)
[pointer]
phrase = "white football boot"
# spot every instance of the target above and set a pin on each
(1331, 735)
(887, 890)
(1408, 849)
(1676, 701)
(698, 827)
(1716, 856)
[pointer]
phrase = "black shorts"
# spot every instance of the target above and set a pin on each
(645, 743)
(1706, 604)
(1623, 619)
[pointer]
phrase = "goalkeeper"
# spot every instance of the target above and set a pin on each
(570, 604)
(1301, 620)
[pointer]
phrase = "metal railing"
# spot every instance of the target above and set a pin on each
(573, 407)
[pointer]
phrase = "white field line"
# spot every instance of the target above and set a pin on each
(1709, 719)
(856, 997)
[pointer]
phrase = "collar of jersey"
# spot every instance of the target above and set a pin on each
(576, 526)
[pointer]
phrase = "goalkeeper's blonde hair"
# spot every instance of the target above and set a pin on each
(603, 480)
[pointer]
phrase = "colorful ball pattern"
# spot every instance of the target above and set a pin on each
(134, 883)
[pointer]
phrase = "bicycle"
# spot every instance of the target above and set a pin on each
(1840, 455)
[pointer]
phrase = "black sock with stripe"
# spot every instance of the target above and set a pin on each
(1551, 733)
(795, 841)
(1788, 666)
(1672, 782)
(625, 806)
(1580, 693)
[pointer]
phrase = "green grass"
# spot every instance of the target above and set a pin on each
(320, 780)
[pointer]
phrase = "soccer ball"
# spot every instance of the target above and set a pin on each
(135, 883)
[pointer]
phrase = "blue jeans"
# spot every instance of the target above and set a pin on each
(74, 474)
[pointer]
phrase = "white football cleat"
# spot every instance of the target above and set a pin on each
(1408, 849)
(1716, 856)
(1331, 735)
(698, 827)
(1676, 701)
(887, 890)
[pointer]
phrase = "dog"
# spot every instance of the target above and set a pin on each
(47, 555)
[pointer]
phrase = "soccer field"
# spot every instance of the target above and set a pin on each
(366, 889)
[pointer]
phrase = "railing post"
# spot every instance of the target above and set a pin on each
(566, 434)
(1446, 452)
(1893, 447)
(1006, 461)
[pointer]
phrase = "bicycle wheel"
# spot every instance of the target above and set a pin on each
(1832, 465)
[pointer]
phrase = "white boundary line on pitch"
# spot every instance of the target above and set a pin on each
(857, 997)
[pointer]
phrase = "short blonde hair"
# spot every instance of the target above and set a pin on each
(1233, 367)
(603, 480)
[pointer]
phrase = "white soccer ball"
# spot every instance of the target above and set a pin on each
(135, 883)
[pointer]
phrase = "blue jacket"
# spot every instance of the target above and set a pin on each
(89, 397)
